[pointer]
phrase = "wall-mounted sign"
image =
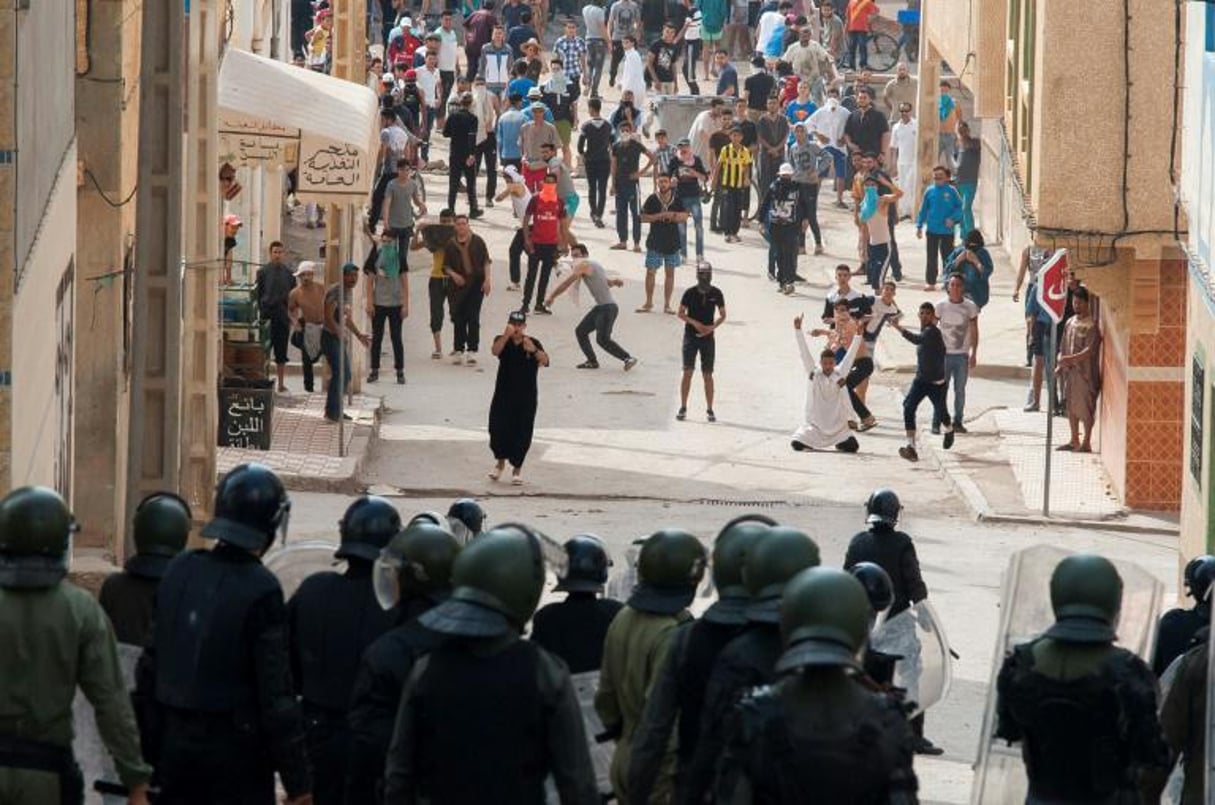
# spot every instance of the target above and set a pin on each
(327, 168)
(1198, 391)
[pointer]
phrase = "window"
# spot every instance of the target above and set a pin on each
(1210, 43)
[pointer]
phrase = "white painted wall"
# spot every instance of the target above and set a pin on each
(37, 421)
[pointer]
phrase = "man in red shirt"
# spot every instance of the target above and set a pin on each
(542, 234)
(858, 21)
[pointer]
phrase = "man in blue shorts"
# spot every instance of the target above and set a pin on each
(702, 310)
(664, 212)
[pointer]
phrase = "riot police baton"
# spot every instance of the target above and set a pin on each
(106, 788)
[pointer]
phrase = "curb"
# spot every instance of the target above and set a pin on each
(976, 501)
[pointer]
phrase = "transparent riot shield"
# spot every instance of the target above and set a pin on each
(299, 560)
(585, 686)
(1026, 613)
(92, 756)
(925, 667)
(624, 575)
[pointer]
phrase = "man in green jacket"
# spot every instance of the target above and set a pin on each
(56, 637)
(669, 567)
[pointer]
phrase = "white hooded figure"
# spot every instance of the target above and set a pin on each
(828, 408)
(632, 75)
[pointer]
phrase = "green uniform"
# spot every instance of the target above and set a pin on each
(55, 639)
(634, 649)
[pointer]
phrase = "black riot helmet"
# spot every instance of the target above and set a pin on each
(496, 581)
(251, 506)
(587, 565)
(466, 518)
(434, 518)
(883, 508)
(772, 561)
(366, 527)
(160, 529)
(416, 563)
(670, 565)
(1086, 596)
(1199, 574)
(878, 588)
(824, 620)
(36, 530)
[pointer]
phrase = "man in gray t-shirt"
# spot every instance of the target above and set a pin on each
(387, 302)
(602, 316)
(402, 196)
(959, 323)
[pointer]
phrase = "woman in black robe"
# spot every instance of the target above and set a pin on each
(512, 414)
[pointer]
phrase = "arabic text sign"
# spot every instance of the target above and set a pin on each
(1052, 285)
(329, 168)
(255, 150)
(245, 418)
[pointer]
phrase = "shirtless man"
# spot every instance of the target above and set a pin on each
(306, 310)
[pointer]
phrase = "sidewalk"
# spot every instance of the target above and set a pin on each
(304, 445)
(998, 468)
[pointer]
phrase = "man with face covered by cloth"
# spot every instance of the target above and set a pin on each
(487, 716)
(750, 658)
(679, 691)
(669, 567)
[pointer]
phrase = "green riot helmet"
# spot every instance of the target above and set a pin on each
(1086, 596)
(35, 538)
(824, 619)
(160, 529)
(496, 581)
(669, 566)
(416, 563)
(883, 508)
(730, 548)
(1199, 574)
(772, 561)
(366, 527)
(430, 517)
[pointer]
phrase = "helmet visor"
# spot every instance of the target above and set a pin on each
(460, 531)
(385, 579)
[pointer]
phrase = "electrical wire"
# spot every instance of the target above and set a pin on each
(1126, 112)
(89, 175)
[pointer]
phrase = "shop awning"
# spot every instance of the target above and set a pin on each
(276, 113)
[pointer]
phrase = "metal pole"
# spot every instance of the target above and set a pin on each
(340, 374)
(1049, 379)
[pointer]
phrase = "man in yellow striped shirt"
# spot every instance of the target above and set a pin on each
(732, 177)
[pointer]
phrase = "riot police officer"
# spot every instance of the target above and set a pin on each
(1083, 709)
(679, 690)
(333, 618)
(215, 686)
(161, 527)
(56, 638)
(893, 551)
(878, 666)
(750, 658)
(412, 574)
(1183, 717)
(574, 629)
(670, 565)
(816, 729)
(486, 715)
(1178, 626)
(465, 517)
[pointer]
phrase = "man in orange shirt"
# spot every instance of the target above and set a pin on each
(857, 21)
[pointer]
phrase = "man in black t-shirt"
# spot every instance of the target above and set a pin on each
(696, 311)
(689, 174)
(664, 213)
(757, 88)
(660, 63)
(717, 141)
(626, 170)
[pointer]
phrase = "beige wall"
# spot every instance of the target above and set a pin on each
(43, 331)
(970, 35)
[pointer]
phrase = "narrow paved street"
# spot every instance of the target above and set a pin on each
(609, 457)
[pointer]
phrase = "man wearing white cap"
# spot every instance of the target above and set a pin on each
(306, 309)
(781, 209)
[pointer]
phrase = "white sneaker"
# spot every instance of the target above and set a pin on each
(457, 358)
(470, 359)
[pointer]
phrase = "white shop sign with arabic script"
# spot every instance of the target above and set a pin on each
(328, 169)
